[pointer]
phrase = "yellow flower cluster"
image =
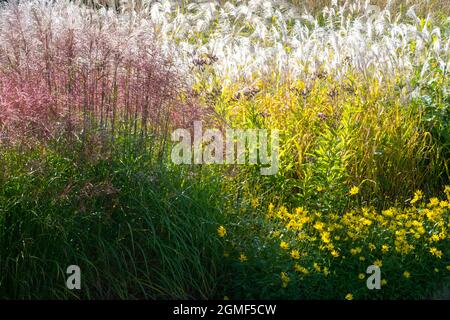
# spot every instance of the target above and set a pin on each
(363, 233)
(221, 231)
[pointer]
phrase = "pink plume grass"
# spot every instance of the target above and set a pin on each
(63, 65)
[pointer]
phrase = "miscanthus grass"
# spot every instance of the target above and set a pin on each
(137, 231)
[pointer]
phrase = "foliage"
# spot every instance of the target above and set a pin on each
(135, 229)
(89, 94)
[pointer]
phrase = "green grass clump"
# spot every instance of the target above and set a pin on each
(135, 228)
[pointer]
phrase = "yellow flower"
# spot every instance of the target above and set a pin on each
(292, 224)
(383, 282)
(447, 192)
(282, 212)
(388, 213)
(354, 190)
(372, 247)
(226, 298)
(270, 210)
(301, 269)
(276, 234)
(434, 238)
(378, 263)
(320, 189)
(434, 202)
(242, 258)
(361, 276)
(255, 203)
(284, 245)
(444, 204)
(384, 248)
(406, 274)
(316, 266)
(361, 258)
(325, 237)
(221, 231)
(435, 252)
(448, 268)
(418, 195)
(319, 226)
(295, 254)
(349, 296)
(285, 279)
(334, 253)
